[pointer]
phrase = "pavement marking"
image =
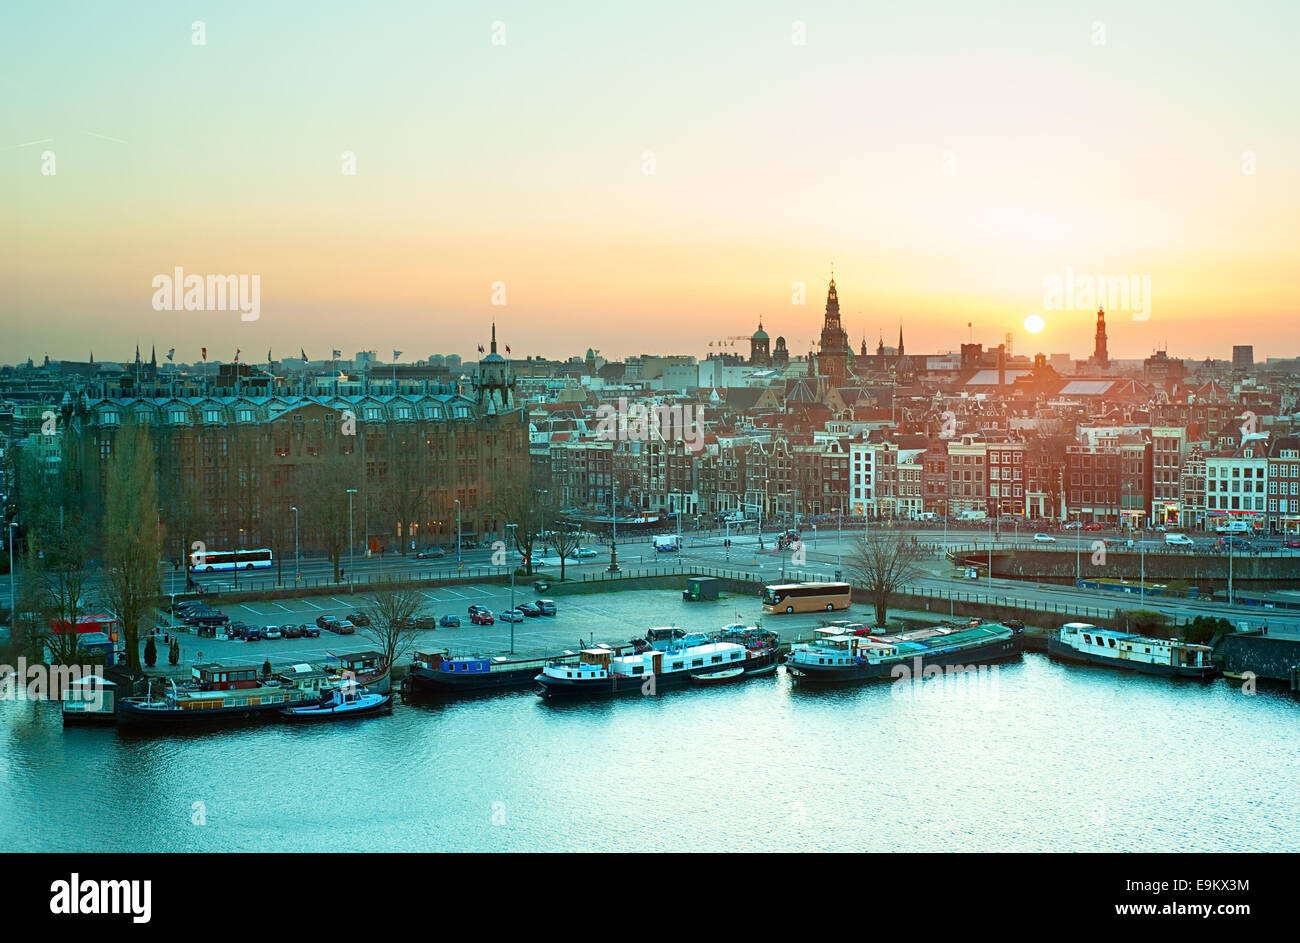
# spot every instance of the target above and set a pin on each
(308, 602)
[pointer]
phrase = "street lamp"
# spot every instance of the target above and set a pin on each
(613, 526)
(297, 558)
(351, 576)
(511, 528)
(458, 563)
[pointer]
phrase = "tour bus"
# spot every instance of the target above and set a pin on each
(211, 560)
(806, 597)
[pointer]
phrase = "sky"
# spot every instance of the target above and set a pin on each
(647, 177)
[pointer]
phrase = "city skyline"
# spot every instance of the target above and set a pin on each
(648, 185)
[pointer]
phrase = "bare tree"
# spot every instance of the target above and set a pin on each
(565, 541)
(325, 510)
(131, 539)
(883, 564)
(55, 570)
(392, 621)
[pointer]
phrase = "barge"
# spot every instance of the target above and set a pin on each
(1089, 644)
(839, 657)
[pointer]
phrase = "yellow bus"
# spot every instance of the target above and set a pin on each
(806, 597)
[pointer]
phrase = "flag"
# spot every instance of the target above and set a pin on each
(397, 355)
(205, 353)
(303, 351)
(337, 354)
(237, 355)
(480, 348)
(268, 355)
(969, 323)
(507, 348)
(171, 354)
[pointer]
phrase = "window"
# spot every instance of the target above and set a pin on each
(179, 415)
(244, 415)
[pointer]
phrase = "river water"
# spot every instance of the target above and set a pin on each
(1038, 756)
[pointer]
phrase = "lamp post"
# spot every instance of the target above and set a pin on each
(351, 575)
(613, 526)
(458, 563)
(511, 528)
(297, 559)
(13, 594)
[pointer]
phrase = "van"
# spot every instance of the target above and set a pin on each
(1179, 540)
(972, 515)
(1233, 527)
(667, 544)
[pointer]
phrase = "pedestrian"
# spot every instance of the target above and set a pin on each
(1265, 627)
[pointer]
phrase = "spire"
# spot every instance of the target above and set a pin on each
(900, 341)
(494, 337)
(153, 356)
(137, 354)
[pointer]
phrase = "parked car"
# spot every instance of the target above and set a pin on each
(582, 553)
(432, 553)
(510, 615)
(449, 622)
(310, 631)
(424, 623)
(343, 627)
(291, 631)
(252, 634)
(474, 607)
(529, 610)
(359, 618)
(1291, 543)
(481, 616)
(546, 606)
(1044, 539)
(325, 622)
(1072, 525)
(273, 632)
(1234, 543)
(1094, 526)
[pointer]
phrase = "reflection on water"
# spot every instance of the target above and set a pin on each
(1040, 757)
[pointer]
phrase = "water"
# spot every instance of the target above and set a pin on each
(1043, 757)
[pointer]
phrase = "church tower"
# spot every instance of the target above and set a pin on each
(834, 358)
(759, 352)
(493, 384)
(1099, 356)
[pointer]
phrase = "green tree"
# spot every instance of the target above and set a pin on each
(131, 538)
(174, 653)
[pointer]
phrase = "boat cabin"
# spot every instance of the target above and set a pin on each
(215, 677)
(306, 678)
(360, 663)
(89, 699)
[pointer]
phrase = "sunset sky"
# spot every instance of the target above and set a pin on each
(523, 163)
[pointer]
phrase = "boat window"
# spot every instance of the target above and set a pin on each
(676, 665)
(1112, 642)
(1087, 639)
(638, 670)
(697, 663)
(735, 655)
(716, 659)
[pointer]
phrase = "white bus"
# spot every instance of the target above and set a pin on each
(210, 561)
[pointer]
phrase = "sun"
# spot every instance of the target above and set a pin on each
(1034, 324)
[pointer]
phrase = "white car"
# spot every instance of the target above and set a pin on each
(582, 553)
(1074, 525)
(1044, 539)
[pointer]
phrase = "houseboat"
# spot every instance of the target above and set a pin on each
(90, 700)
(440, 673)
(601, 673)
(368, 669)
(836, 656)
(1081, 642)
(224, 694)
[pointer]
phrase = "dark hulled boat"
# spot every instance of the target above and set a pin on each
(439, 673)
(599, 672)
(1090, 644)
(836, 657)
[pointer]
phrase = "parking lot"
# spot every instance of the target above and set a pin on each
(613, 617)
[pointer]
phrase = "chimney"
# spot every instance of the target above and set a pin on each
(1002, 366)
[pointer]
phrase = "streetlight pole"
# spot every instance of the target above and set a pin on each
(458, 563)
(13, 593)
(297, 559)
(511, 528)
(351, 540)
(613, 525)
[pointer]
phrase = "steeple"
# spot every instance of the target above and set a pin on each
(153, 356)
(1099, 354)
(494, 337)
(833, 361)
(900, 342)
